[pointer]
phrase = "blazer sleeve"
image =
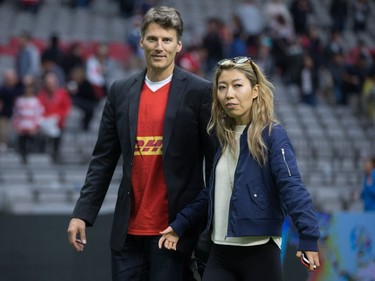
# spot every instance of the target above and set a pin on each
(104, 159)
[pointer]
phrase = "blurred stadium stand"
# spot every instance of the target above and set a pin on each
(330, 141)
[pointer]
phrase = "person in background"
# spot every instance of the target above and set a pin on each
(82, 94)
(28, 113)
(80, 3)
(98, 67)
(255, 183)
(313, 45)
(238, 40)
(57, 104)
(336, 68)
(361, 11)
(53, 51)
(132, 38)
(27, 57)
(10, 89)
(368, 185)
(126, 7)
(368, 97)
(212, 44)
(274, 8)
(301, 10)
(334, 46)
(31, 6)
(264, 56)
(252, 19)
(192, 59)
(354, 77)
(339, 10)
(156, 121)
(49, 66)
(361, 48)
(309, 82)
(73, 58)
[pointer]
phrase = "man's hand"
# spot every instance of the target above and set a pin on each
(169, 238)
(77, 234)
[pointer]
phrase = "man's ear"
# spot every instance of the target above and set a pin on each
(179, 46)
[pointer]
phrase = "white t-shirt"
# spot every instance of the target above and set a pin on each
(224, 178)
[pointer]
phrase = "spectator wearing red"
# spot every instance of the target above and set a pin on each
(57, 105)
(192, 60)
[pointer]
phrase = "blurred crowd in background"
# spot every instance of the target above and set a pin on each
(48, 79)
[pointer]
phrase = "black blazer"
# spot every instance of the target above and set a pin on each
(187, 151)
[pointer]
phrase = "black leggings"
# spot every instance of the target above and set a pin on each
(237, 263)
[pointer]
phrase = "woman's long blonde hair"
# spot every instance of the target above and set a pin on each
(261, 115)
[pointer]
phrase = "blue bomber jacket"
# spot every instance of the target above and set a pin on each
(262, 195)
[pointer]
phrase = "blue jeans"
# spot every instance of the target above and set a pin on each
(142, 260)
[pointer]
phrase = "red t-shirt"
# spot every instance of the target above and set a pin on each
(149, 211)
(58, 103)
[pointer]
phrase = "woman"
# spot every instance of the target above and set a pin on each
(28, 114)
(255, 183)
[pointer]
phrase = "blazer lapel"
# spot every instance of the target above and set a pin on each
(175, 95)
(134, 99)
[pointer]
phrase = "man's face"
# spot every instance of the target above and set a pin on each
(160, 46)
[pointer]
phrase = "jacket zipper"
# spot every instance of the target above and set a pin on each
(286, 163)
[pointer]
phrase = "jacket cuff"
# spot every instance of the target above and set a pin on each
(308, 245)
(85, 212)
(179, 227)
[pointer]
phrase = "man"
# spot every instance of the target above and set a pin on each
(27, 57)
(157, 121)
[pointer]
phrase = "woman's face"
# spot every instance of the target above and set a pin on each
(236, 95)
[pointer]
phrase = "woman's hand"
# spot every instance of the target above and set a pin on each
(169, 239)
(313, 258)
